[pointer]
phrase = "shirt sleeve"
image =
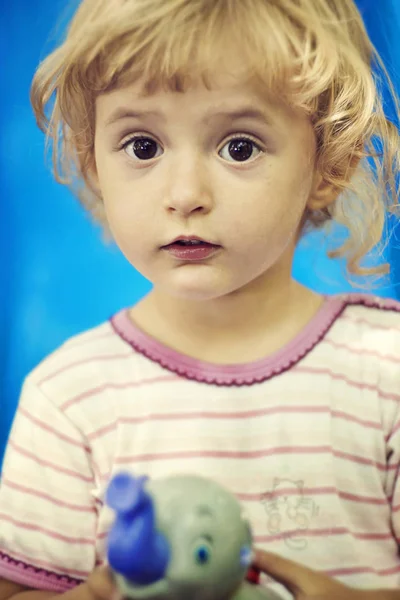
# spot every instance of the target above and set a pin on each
(393, 475)
(387, 345)
(48, 515)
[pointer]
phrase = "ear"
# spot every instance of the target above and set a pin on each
(92, 166)
(92, 175)
(324, 193)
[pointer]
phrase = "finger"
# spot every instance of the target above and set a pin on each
(295, 577)
(101, 583)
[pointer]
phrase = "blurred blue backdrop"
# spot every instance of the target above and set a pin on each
(57, 277)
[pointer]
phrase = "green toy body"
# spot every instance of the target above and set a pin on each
(200, 532)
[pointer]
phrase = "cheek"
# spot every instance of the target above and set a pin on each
(126, 225)
(127, 207)
(274, 205)
(130, 225)
(128, 196)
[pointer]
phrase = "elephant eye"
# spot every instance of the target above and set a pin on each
(202, 553)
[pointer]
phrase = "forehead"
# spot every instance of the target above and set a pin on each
(229, 91)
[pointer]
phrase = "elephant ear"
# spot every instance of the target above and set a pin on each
(135, 548)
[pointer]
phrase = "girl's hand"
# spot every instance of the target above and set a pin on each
(101, 586)
(306, 584)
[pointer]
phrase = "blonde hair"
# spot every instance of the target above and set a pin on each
(314, 54)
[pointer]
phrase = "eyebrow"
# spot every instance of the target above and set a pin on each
(251, 113)
(126, 113)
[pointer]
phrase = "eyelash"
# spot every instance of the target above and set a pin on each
(237, 136)
(242, 136)
(133, 138)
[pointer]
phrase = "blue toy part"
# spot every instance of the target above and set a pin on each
(136, 549)
(177, 538)
(246, 556)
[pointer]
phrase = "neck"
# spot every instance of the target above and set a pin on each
(240, 312)
(243, 326)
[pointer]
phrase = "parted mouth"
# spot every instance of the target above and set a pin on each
(189, 241)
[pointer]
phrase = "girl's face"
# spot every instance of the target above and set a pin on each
(223, 171)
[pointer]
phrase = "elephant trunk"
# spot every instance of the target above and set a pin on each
(136, 550)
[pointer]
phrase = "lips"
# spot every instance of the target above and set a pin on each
(191, 248)
(190, 243)
(192, 240)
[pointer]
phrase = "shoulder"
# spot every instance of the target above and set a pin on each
(87, 364)
(366, 339)
(372, 322)
(373, 308)
(77, 350)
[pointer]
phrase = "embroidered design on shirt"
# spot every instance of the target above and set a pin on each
(289, 511)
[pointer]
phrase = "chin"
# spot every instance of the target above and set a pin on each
(201, 286)
(196, 290)
(196, 294)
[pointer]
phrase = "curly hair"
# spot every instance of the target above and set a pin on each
(313, 54)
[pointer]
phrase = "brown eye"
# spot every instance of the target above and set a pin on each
(240, 150)
(142, 148)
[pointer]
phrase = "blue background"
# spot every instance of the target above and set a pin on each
(56, 276)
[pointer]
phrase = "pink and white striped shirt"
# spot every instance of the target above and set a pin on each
(308, 439)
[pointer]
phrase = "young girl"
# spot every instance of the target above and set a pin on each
(208, 136)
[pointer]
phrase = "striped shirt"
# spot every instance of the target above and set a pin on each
(308, 439)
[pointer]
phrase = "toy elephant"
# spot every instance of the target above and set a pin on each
(179, 538)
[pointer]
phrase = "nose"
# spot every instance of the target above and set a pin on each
(189, 189)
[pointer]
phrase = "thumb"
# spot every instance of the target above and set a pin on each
(101, 584)
(297, 578)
